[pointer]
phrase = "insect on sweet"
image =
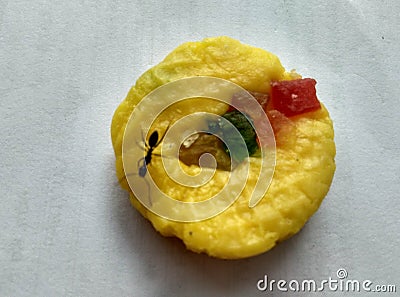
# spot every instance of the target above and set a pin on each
(149, 147)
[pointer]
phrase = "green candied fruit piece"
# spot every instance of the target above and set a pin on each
(244, 126)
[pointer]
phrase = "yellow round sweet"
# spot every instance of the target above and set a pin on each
(304, 155)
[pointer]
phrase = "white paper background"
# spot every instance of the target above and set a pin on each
(67, 229)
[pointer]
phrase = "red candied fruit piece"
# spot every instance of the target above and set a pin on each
(240, 100)
(278, 120)
(294, 97)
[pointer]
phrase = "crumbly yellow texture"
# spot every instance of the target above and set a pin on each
(305, 158)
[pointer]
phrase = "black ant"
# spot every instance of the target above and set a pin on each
(150, 146)
(143, 162)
